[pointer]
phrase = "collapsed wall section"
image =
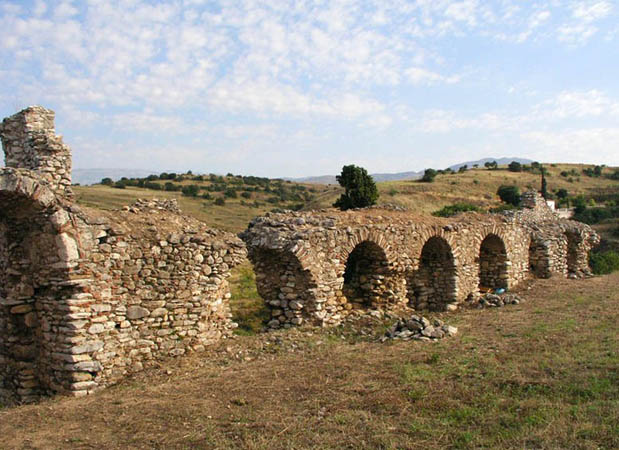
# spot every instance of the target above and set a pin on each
(158, 286)
(30, 142)
(87, 296)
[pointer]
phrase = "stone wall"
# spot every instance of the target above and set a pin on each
(29, 141)
(381, 259)
(87, 297)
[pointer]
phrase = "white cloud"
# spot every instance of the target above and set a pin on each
(418, 75)
(592, 145)
(591, 11)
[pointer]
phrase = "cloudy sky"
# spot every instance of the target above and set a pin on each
(295, 87)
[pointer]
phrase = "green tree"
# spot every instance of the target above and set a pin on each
(509, 194)
(107, 181)
(359, 188)
(429, 175)
(515, 166)
(544, 185)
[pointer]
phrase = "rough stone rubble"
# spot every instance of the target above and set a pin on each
(319, 267)
(87, 297)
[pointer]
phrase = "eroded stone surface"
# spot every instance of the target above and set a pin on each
(317, 267)
(87, 297)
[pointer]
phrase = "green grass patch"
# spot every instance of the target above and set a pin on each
(248, 308)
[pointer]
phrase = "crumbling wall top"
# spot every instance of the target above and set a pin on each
(29, 141)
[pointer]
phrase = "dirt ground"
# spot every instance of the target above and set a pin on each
(541, 374)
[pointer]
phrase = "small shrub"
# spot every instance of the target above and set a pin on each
(219, 201)
(429, 175)
(604, 263)
(392, 192)
(509, 194)
(191, 190)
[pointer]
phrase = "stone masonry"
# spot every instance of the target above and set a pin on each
(87, 297)
(318, 267)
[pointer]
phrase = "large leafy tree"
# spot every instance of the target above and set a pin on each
(509, 194)
(359, 188)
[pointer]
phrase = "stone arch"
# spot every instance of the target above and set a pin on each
(366, 271)
(35, 257)
(538, 258)
(573, 252)
(287, 287)
(493, 263)
(433, 285)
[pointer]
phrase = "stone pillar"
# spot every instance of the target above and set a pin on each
(30, 142)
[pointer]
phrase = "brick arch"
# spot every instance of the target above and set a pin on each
(434, 284)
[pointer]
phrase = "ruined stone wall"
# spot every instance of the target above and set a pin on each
(87, 296)
(382, 259)
(30, 142)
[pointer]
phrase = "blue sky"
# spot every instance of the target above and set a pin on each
(295, 88)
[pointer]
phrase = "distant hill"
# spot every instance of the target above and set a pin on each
(499, 161)
(92, 176)
(330, 179)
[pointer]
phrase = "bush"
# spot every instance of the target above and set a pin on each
(246, 194)
(230, 193)
(152, 185)
(107, 182)
(219, 201)
(514, 166)
(594, 215)
(169, 186)
(604, 263)
(456, 208)
(191, 190)
(359, 188)
(509, 194)
(429, 175)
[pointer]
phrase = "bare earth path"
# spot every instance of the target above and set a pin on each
(542, 374)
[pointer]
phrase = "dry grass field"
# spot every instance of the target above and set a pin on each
(476, 186)
(542, 374)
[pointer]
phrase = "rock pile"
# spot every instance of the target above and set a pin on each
(420, 329)
(495, 300)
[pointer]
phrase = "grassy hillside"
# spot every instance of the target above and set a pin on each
(241, 201)
(477, 186)
(542, 374)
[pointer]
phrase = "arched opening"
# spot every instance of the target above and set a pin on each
(364, 275)
(31, 279)
(492, 263)
(20, 282)
(572, 253)
(537, 258)
(285, 286)
(434, 283)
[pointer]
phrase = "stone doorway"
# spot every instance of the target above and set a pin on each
(365, 274)
(433, 285)
(492, 264)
